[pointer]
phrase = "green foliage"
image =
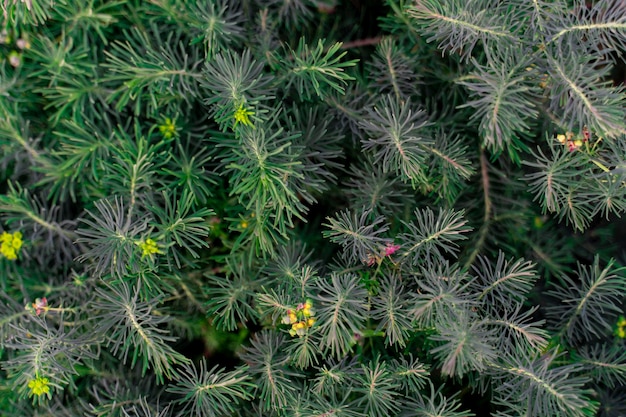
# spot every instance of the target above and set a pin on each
(584, 310)
(317, 70)
(132, 328)
(211, 392)
(397, 138)
(312, 208)
(542, 389)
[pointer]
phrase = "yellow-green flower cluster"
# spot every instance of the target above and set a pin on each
(168, 128)
(39, 386)
(148, 247)
(620, 331)
(242, 115)
(10, 244)
(301, 318)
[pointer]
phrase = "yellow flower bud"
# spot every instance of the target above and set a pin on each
(148, 247)
(39, 386)
(10, 244)
(168, 128)
(17, 241)
(242, 116)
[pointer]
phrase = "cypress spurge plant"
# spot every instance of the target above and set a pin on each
(312, 208)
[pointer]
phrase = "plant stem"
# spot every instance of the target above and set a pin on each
(362, 42)
(482, 233)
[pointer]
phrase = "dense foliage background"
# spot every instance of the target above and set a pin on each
(312, 208)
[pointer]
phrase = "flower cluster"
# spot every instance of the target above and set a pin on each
(387, 251)
(10, 244)
(40, 305)
(168, 128)
(300, 318)
(242, 115)
(15, 56)
(148, 247)
(39, 386)
(620, 331)
(573, 142)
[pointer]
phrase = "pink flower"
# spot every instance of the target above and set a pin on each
(40, 305)
(390, 249)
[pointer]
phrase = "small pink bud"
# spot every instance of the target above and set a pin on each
(40, 305)
(390, 249)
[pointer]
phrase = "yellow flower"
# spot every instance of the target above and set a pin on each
(307, 309)
(290, 318)
(10, 244)
(168, 128)
(286, 319)
(560, 138)
(300, 318)
(298, 329)
(39, 386)
(242, 115)
(148, 247)
(621, 322)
